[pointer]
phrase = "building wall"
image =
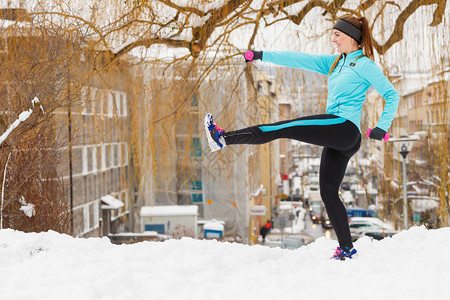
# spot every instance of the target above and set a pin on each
(429, 106)
(99, 149)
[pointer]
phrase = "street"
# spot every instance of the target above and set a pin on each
(316, 231)
(309, 234)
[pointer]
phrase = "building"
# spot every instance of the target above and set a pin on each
(424, 111)
(87, 120)
(265, 159)
(99, 174)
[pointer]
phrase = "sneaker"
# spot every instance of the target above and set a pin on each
(342, 254)
(214, 134)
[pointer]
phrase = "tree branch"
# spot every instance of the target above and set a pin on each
(233, 12)
(397, 33)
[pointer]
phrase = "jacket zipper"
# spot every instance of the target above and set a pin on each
(338, 103)
(345, 57)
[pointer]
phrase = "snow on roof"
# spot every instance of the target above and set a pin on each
(422, 205)
(169, 210)
(258, 191)
(394, 184)
(214, 225)
(347, 196)
(111, 202)
(136, 234)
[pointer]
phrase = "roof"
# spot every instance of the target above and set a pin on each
(214, 225)
(169, 210)
(110, 202)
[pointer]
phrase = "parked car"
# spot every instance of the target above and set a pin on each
(314, 199)
(345, 186)
(316, 216)
(358, 222)
(372, 227)
(289, 242)
(314, 183)
(273, 244)
(378, 234)
(293, 242)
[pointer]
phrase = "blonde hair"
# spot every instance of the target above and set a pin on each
(366, 38)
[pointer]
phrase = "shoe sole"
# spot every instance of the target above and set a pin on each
(211, 143)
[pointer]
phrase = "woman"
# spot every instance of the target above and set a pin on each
(350, 74)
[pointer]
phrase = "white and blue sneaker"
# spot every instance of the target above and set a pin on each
(343, 254)
(214, 134)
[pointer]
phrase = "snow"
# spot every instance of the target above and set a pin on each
(27, 208)
(423, 205)
(13, 126)
(169, 210)
(214, 225)
(137, 234)
(414, 264)
(111, 202)
(204, 7)
(22, 118)
(10, 3)
(24, 115)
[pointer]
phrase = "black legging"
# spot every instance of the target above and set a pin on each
(340, 138)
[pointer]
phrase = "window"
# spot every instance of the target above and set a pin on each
(84, 160)
(116, 159)
(96, 213)
(125, 154)
(117, 102)
(260, 87)
(119, 155)
(110, 103)
(86, 101)
(194, 100)
(86, 224)
(104, 102)
(124, 104)
(159, 228)
(196, 191)
(196, 148)
(103, 157)
(111, 153)
(94, 158)
(95, 100)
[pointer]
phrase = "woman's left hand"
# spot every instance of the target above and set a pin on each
(377, 134)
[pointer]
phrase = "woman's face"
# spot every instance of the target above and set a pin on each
(344, 43)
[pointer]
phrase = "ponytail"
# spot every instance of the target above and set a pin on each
(366, 38)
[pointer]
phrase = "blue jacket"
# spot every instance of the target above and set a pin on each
(348, 83)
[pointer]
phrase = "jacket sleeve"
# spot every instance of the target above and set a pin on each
(375, 77)
(317, 63)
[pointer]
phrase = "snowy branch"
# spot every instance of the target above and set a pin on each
(23, 117)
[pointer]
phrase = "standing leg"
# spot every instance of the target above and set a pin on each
(332, 170)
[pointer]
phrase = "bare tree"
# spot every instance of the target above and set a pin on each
(35, 64)
(200, 25)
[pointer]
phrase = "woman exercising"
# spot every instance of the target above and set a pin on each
(350, 74)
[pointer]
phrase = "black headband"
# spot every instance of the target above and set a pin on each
(349, 29)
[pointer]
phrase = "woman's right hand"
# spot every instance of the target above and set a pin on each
(252, 55)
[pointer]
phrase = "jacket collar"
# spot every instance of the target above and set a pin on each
(354, 54)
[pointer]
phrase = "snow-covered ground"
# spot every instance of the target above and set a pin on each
(414, 264)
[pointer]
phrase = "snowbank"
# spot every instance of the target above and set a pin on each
(414, 264)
